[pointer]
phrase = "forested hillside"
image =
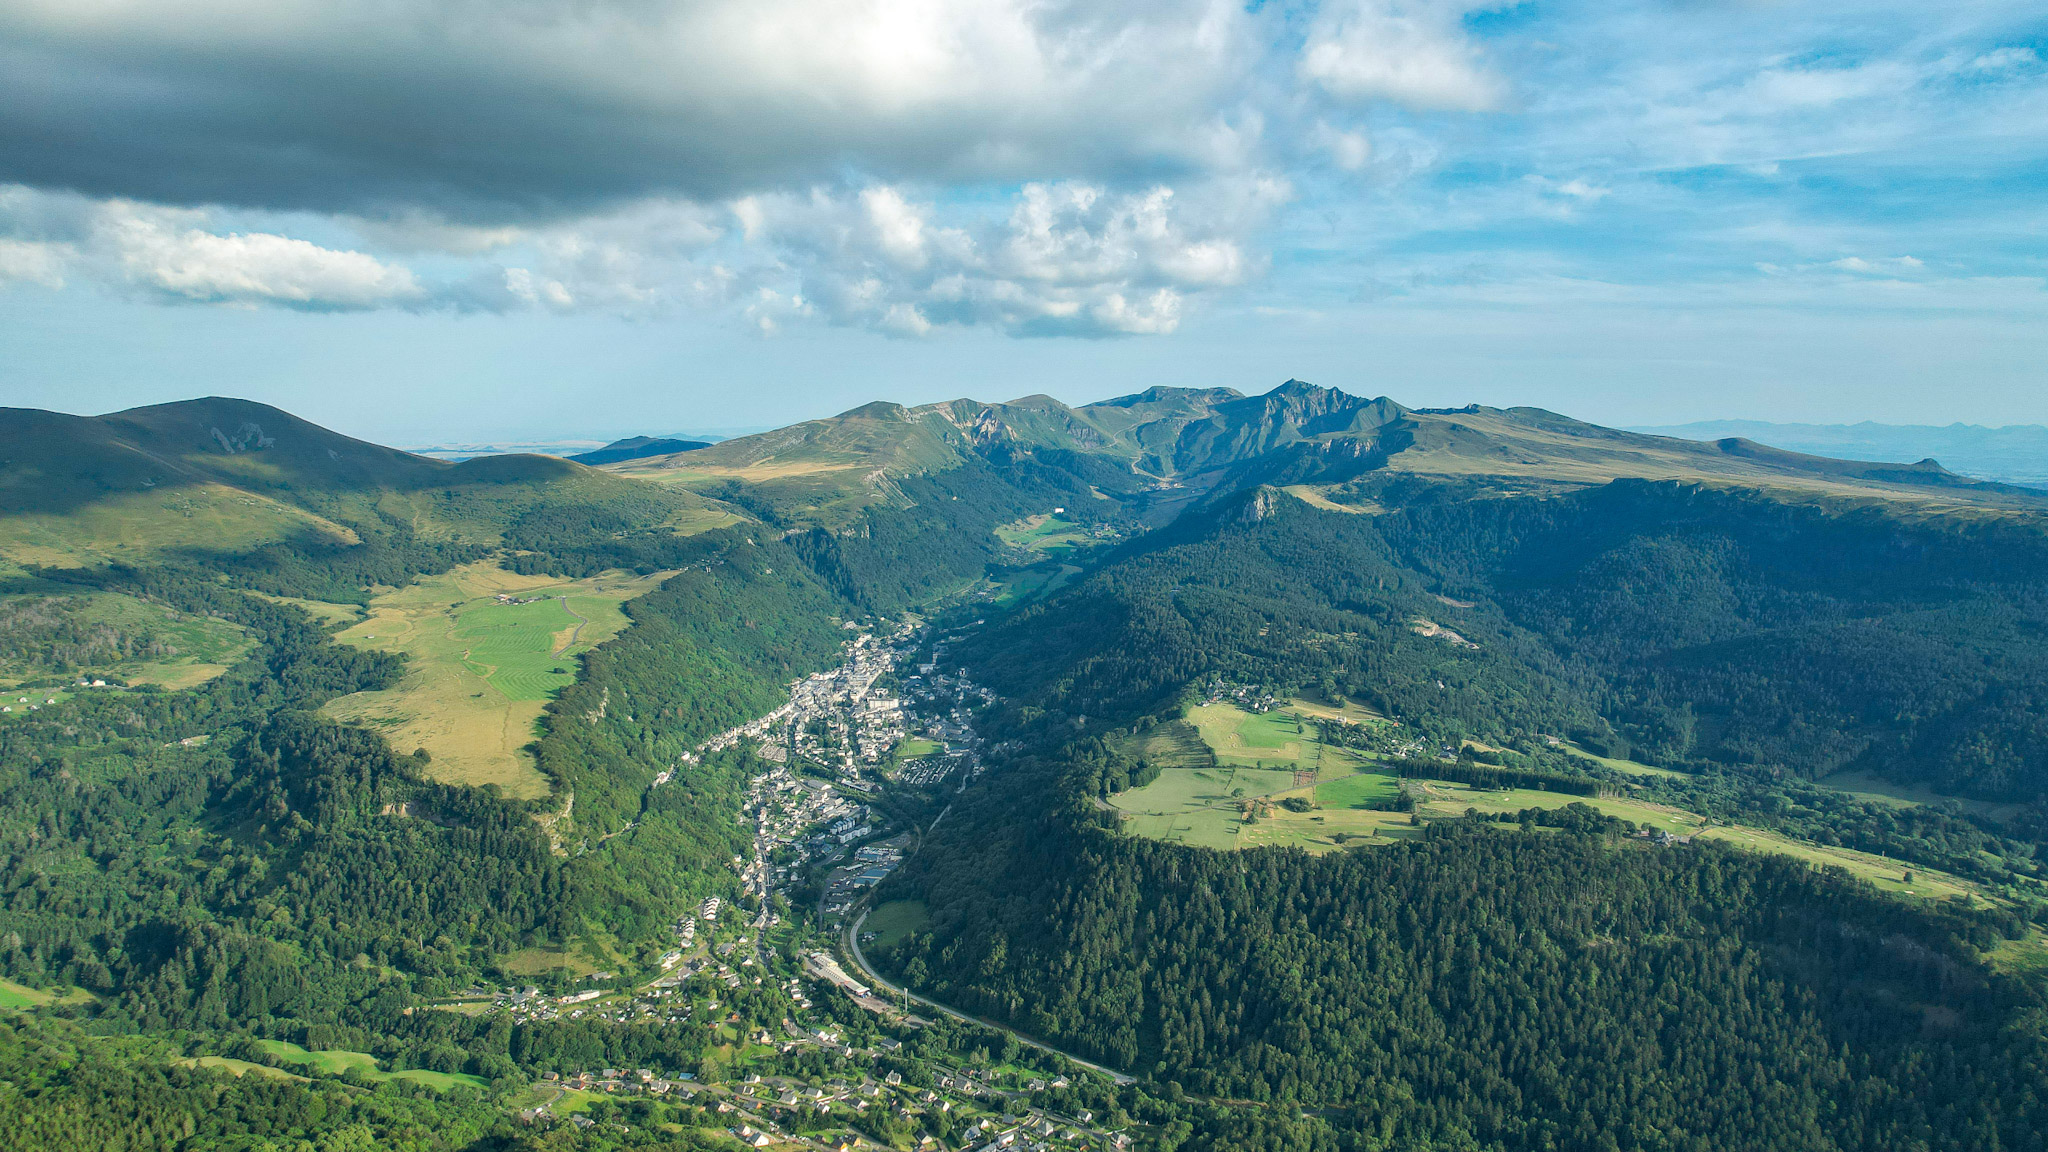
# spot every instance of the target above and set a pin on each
(1500, 987)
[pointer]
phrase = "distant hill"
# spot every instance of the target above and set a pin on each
(638, 447)
(217, 475)
(224, 474)
(2014, 454)
(1182, 445)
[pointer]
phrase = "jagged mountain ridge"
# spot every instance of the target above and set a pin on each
(1190, 442)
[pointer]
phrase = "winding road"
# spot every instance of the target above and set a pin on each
(861, 961)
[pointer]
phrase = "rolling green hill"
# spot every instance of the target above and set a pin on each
(212, 477)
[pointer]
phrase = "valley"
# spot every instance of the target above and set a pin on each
(1189, 770)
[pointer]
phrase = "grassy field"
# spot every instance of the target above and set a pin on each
(337, 1063)
(14, 997)
(480, 669)
(915, 746)
(1197, 806)
(1629, 766)
(1045, 533)
(239, 1067)
(1280, 739)
(190, 650)
(1357, 791)
(1887, 874)
(1201, 806)
(1879, 791)
(1327, 829)
(893, 921)
(1350, 710)
(328, 614)
(136, 527)
(1221, 755)
(541, 961)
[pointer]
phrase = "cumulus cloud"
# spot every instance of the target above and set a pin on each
(531, 108)
(171, 254)
(1069, 258)
(1410, 51)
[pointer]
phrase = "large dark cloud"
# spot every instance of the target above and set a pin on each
(516, 110)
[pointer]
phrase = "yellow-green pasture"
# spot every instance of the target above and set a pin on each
(137, 527)
(15, 997)
(480, 669)
(1629, 766)
(1877, 790)
(1887, 874)
(338, 1062)
(1038, 580)
(175, 649)
(1446, 798)
(238, 1067)
(1349, 710)
(1198, 806)
(1256, 756)
(1284, 739)
(1249, 756)
(1044, 533)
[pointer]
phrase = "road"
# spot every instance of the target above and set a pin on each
(861, 961)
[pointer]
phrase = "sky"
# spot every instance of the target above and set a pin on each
(425, 221)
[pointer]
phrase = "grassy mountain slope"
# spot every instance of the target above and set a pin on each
(1186, 443)
(218, 476)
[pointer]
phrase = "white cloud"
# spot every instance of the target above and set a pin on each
(176, 254)
(1348, 150)
(34, 262)
(1879, 266)
(1410, 51)
(158, 252)
(1070, 258)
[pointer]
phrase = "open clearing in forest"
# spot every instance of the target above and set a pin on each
(480, 669)
(1044, 532)
(1357, 791)
(1202, 806)
(17, 996)
(893, 921)
(1221, 755)
(173, 649)
(337, 1063)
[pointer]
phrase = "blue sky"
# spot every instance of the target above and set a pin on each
(444, 220)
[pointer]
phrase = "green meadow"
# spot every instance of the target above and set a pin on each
(1045, 533)
(893, 921)
(479, 669)
(338, 1063)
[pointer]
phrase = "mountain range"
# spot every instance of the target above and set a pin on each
(2013, 454)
